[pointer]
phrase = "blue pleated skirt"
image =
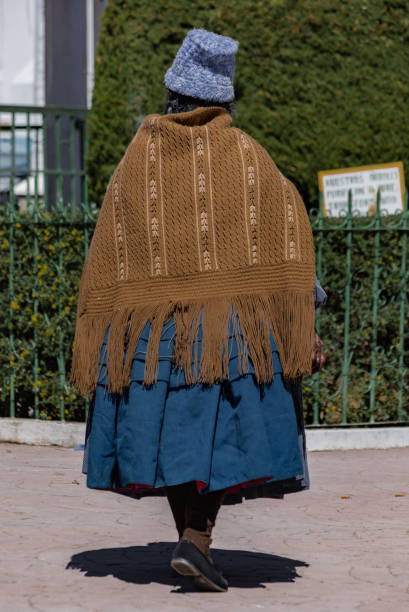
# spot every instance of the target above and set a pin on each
(237, 435)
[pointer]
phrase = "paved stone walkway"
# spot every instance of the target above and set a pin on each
(343, 546)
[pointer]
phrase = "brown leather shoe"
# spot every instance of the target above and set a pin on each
(201, 539)
(191, 557)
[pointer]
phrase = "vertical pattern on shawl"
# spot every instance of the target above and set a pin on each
(285, 216)
(119, 228)
(257, 202)
(305, 239)
(155, 209)
(291, 233)
(162, 206)
(296, 229)
(253, 203)
(245, 211)
(150, 152)
(196, 202)
(211, 198)
(202, 187)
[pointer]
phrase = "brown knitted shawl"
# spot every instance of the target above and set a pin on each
(197, 223)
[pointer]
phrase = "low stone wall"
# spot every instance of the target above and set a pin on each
(352, 438)
(42, 433)
(48, 433)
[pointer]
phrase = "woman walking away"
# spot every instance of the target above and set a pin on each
(196, 314)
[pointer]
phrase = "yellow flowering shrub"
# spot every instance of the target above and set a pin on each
(39, 304)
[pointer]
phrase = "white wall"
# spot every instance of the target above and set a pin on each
(21, 52)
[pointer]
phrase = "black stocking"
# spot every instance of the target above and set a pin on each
(203, 508)
(190, 508)
(178, 498)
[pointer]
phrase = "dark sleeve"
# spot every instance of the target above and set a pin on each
(320, 297)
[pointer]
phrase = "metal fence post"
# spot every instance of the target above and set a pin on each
(375, 298)
(316, 377)
(12, 301)
(35, 291)
(347, 313)
(403, 303)
(86, 217)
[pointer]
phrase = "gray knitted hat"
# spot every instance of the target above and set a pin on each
(204, 67)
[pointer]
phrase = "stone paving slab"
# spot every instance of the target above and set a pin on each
(342, 546)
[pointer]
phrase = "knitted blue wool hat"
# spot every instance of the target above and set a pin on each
(204, 67)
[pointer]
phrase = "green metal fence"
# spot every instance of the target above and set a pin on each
(43, 195)
(45, 225)
(363, 263)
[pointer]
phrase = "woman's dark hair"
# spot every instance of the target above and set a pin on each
(178, 103)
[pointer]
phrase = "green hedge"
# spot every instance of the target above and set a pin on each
(57, 295)
(61, 249)
(388, 374)
(321, 84)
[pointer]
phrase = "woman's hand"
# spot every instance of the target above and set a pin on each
(318, 356)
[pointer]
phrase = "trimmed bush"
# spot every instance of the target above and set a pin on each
(52, 277)
(61, 246)
(388, 375)
(321, 84)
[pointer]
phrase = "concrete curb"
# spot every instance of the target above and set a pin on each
(48, 433)
(41, 433)
(357, 438)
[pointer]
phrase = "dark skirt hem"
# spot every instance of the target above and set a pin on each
(252, 489)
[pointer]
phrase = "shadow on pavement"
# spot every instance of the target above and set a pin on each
(150, 563)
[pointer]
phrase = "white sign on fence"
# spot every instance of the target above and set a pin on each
(364, 183)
